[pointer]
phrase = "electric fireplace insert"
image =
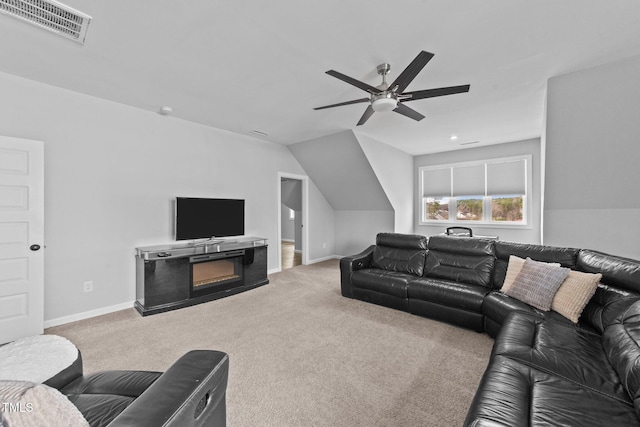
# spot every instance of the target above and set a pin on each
(216, 272)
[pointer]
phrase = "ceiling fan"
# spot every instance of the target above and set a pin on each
(388, 97)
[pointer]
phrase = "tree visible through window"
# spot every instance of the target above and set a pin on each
(437, 208)
(507, 208)
(469, 209)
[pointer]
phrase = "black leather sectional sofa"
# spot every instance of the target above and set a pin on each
(544, 369)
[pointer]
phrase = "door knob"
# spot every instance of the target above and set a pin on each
(34, 247)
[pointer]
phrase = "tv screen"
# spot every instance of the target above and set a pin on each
(198, 218)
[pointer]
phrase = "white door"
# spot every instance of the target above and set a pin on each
(21, 238)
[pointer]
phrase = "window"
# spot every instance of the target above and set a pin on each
(483, 192)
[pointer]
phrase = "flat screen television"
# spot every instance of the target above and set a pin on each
(199, 218)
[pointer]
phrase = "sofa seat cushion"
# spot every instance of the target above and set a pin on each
(497, 306)
(448, 293)
(512, 393)
(560, 349)
(100, 409)
(102, 396)
(382, 281)
(36, 404)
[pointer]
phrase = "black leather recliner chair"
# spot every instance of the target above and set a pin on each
(192, 392)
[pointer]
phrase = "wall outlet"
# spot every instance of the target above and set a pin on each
(88, 286)
(324, 245)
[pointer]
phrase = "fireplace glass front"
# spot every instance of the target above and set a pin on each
(216, 275)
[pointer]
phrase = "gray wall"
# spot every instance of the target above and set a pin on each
(530, 234)
(394, 169)
(356, 230)
(339, 167)
(592, 159)
(321, 226)
(287, 230)
(112, 173)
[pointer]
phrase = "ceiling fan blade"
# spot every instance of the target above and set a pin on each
(432, 93)
(355, 101)
(409, 112)
(354, 82)
(410, 73)
(367, 113)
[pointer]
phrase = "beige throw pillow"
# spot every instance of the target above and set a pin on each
(537, 283)
(513, 269)
(574, 294)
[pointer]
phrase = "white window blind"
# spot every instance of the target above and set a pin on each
(468, 180)
(507, 178)
(436, 182)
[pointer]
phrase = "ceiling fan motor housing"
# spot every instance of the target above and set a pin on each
(383, 69)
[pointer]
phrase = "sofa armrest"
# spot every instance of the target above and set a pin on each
(192, 392)
(352, 263)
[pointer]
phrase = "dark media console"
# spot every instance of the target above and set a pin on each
(176, 276)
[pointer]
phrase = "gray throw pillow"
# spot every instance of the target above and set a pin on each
(537, 283)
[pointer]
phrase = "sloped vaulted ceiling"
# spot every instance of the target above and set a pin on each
(340, 169)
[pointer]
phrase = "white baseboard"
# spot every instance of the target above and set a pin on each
(311, 261)
(87, 314)
(326, 258)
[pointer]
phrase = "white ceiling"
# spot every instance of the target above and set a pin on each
(249, 65)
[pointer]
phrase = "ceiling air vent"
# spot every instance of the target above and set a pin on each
(50, 15)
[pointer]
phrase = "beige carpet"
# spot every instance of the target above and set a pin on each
(303, 355)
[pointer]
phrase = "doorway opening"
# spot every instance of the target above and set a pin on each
(292, 235)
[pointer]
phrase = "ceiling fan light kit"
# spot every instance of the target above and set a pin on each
(392, 97)
(384, 102)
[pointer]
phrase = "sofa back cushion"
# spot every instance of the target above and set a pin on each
(404, 253)
(566, 257)
(606, 306)
(461, 259)
(619, 287)
(616, 271)
(621, 342)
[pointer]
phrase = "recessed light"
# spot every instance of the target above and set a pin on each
(453, 137)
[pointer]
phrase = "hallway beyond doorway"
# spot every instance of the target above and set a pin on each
(290, 258)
